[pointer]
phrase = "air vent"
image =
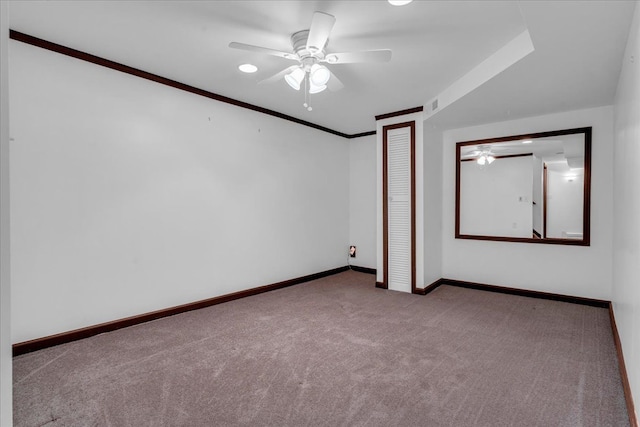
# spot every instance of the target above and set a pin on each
(434, 105)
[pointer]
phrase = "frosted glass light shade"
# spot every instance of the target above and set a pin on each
(316, 88)
(319, 75)
(294, 78)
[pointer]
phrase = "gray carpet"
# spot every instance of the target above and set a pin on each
(337, 351)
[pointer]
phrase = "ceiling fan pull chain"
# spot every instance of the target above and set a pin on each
(306, 96)
(307, 101)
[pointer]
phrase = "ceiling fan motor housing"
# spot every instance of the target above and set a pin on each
(299, 43)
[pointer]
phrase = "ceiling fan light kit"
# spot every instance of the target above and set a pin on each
(485, 159)
(309, 51)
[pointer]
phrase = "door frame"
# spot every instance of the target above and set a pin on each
(385, 201)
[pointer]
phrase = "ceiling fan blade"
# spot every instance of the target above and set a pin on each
(279, 75)
(321, 26)
(252, 48)
(380, 55)
(334, 84)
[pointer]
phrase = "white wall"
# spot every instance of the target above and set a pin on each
(6, 383)
(565, 199)
(569, 270)
(432, 204)
(362, 200)
(626, 246)
(495, 199)
(129, 196)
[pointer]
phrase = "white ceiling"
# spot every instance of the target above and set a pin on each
(576, 63)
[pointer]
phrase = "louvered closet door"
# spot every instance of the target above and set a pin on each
(399, 269)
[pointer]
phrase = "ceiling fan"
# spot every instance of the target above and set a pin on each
(483, 156)
(308, 50)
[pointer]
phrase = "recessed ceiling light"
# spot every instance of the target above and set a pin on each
(248, 68)
(527, 141)
(399, 2)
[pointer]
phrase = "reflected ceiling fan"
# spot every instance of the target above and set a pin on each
(308, 50)
(483, 156)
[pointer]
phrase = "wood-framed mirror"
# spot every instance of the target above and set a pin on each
(533, 188)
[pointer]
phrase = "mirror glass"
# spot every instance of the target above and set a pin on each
(525, 188)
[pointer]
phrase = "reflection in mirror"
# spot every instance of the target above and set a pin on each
(525, 188)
